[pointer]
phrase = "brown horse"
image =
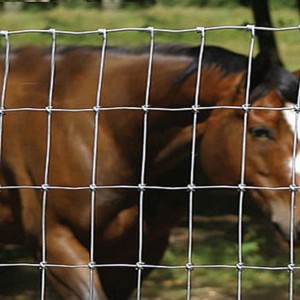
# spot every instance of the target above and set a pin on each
(269, 140)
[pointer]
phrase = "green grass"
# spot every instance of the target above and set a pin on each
(221, 283)
(169, 17)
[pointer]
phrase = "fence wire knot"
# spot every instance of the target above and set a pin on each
(150, 28)
(45, 187)
(140, 265)
(297, 108)
(242, 187)
(145, 108)
(91, 265)
(96, 109)
(293, 188)
(43, 265)
(245, 107)
(49, 109)
(200, 29)
(251, 28)
(3, 33)
(291, 267)
(52, 31)
(191, 187)
(102, 31)
(196, 108)
(240, 266)
(142, 187)
(189, 267)
(93, 187)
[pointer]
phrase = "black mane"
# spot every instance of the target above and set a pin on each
(267, 75)
(230, 62)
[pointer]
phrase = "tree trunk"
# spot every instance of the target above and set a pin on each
(266, 39)
(298, 6)
(142, 2)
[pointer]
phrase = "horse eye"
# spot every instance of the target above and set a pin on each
(261, 132)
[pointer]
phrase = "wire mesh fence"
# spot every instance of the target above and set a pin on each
(94, 188)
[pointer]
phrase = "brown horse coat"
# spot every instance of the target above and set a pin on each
(119, 154)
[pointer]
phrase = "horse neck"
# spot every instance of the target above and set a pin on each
(215, 87)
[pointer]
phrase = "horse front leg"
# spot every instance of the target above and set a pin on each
(63, 248)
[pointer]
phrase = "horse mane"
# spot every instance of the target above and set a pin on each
(267, 75)
(163, 49)
(229, 62)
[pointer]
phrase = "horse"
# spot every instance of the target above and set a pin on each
(26, 136)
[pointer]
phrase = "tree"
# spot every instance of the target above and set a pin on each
(266, 39)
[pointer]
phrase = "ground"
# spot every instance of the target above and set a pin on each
(212, 235)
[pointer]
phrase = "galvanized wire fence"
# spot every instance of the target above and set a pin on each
(142, 187)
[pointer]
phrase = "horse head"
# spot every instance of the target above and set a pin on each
(269, 173)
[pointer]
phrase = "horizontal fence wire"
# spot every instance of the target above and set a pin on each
(149, 29)
(143, 187)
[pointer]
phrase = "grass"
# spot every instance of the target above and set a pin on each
(219, 247)
(174, 17)
(214, 243)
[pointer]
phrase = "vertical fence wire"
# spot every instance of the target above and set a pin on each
(3, 90)
(293, 190)
(292, 206)
(251, 28)
(93, 189)
(47, 164)
(143, 164)
(4, 86)
(189, 268)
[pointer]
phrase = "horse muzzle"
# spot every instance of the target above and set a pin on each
(281, 218)
(288, 231)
